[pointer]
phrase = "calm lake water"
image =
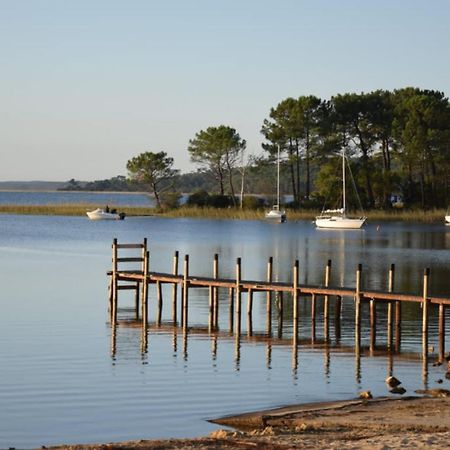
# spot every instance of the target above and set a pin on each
(68, 378)
(66, 197)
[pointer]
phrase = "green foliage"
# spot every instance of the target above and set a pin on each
(154, 169)
(199, 198)
(217, 150)
(170, 200)
(252, 202)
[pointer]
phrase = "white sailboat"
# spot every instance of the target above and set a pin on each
(337, 218)
(276, 214)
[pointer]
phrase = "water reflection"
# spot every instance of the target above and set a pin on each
(146, 371)
(295, 343)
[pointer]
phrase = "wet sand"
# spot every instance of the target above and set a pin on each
(384, 423)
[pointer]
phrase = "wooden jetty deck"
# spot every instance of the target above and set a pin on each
(139, 280)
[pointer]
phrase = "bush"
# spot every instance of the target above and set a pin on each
(199, 198)
(220, 201)
(170, 200)
(252, 202)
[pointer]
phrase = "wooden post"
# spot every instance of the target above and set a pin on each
(358, 309)
(137, 293)
(145, 289)
(160, 304)
(373, 324)
(337, 318)
(425, 303)
(185, 291)
(175, 289)
(138, 288)
(313, 317)
(231, 308)
(326, 305)
(269, 296)
(216, 292)
(295, 300)
(441, 332)
(238, 296)
(114, 283)
(327, 284)
(389, 306)
(280, 306)
(249, 312)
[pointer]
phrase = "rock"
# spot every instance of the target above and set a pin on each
(268, 431)
(439, 381)
(367, 395)
(397, 390)
(447, 375)
(219, 434)
(392, 382)
(434, 392)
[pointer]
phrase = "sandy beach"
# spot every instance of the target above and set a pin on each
(383, 423)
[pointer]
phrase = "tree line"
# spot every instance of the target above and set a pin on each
(397, 142)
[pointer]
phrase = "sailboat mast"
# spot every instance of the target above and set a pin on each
(278, 177)
(343, 179)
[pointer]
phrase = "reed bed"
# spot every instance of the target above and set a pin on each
(69, 209)
(80, 209)
(430, 216)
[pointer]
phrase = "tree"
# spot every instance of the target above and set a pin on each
(154, 169)
(218, 149)
(294, 125)
(422, 131)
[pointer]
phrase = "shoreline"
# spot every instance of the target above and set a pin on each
(80, 209)
(385, 422)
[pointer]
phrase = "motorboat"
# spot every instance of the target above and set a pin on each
(101, 214)
(337, 218)
(276, 214)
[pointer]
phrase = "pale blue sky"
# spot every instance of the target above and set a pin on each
(87, 84)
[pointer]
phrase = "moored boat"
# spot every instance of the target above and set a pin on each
(101, 214)
(275, 214)
(337, 218)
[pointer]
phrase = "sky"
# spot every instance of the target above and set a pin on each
(85, 85)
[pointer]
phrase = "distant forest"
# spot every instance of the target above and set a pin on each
(398, 145)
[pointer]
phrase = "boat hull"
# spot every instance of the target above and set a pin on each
(340, 223)
(100, 214)
(276, 216)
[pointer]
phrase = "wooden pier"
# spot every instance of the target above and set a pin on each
(139, 280)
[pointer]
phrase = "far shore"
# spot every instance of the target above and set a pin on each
(80, 209)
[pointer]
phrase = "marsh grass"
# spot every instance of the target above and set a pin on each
(68, 209)
(80, 209)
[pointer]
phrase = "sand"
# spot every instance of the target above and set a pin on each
(380, 424)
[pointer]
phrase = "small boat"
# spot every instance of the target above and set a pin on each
(337, 218)
(275, 214)
(447, 218)
(101, 214)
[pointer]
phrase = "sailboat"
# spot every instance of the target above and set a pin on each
(337, 218)
(276, 214)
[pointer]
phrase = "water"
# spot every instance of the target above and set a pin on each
(67, 197)
(68, 378)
